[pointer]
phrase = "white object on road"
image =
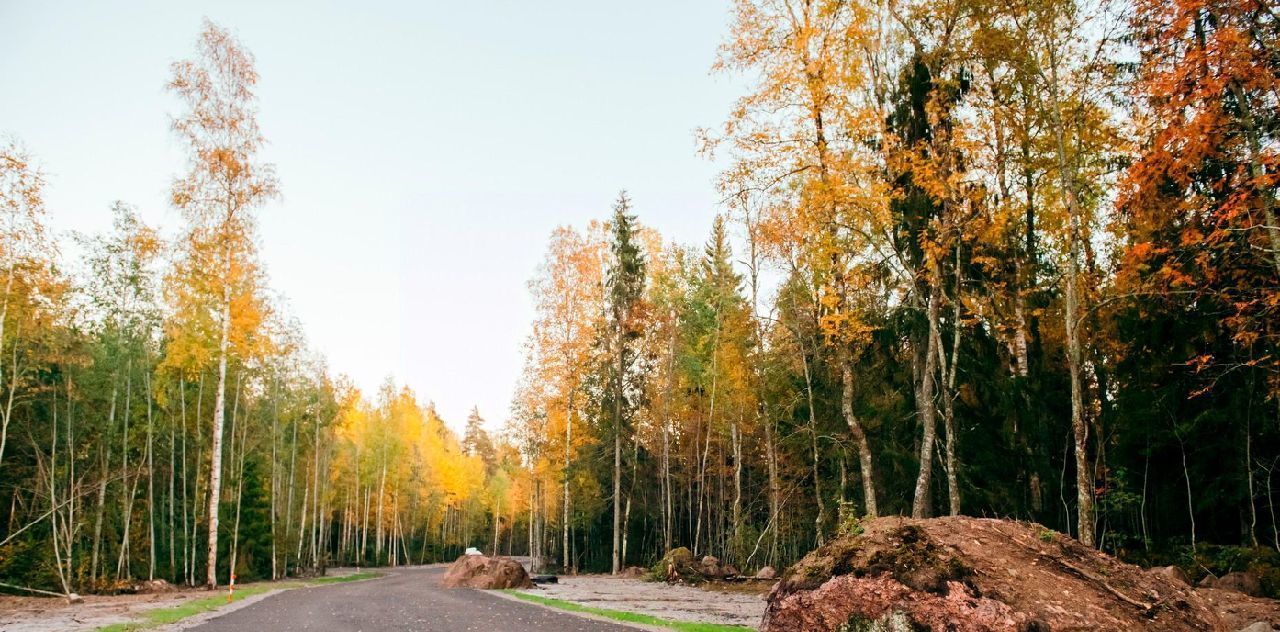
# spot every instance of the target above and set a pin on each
(471, 550)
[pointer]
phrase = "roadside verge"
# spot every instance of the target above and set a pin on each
(639, 620)
(198, 611)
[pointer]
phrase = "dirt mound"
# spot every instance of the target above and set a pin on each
(976, 574)
(680, 566)
(140, 587)
(481, 571)
(1238, 611)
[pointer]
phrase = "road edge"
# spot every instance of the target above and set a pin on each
(584, 615)
(204, 617)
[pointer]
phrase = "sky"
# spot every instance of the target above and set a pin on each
(426, 150)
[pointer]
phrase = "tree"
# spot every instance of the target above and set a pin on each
(476, 442)
(23, 248)
(803, 129)
(625, 287)
(1200, 199)
(568, 299)
(225, 184)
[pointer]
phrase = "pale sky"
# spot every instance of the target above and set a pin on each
(425, 151)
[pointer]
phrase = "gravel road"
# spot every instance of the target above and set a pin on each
(404, 599)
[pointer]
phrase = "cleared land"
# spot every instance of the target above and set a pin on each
(680, 603)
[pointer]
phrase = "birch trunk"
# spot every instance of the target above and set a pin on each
(215, 448)
(859, 436)
(921, 507)
(1079, 425)
(564, 519)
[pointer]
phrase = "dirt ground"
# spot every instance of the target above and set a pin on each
(736, 605)
(53, 614)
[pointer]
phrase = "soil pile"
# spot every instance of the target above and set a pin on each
(970, 574)
(680, 566)
(488, 573)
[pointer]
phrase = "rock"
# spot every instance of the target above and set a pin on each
(1240, 581)
(767, 572)
(954, 574)
(711, 568)
(1172, 573)
(74, 598)
(1260, 626)
(634, 572)
(489, 573)
(1207, 582)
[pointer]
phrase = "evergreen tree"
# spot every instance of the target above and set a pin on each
(625, 282)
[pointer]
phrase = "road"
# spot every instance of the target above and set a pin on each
(404, 599)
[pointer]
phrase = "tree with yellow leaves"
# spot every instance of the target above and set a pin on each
(225, 184)
(568, 299)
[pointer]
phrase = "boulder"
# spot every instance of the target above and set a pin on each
(968, 574)
(711, 567)
(767, 572)
(1171, 573)
(1258, 626)
(485, 572)
(634, 572)
(1240, 581)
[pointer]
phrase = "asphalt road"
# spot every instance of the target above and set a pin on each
(404, 599)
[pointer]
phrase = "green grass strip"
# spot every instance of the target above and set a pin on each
(629, 617)
(163, 616)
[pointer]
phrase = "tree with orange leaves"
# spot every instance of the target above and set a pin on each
(1200, 200)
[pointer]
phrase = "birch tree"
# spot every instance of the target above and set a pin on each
(225, 184)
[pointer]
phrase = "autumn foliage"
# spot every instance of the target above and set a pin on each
(988, 258)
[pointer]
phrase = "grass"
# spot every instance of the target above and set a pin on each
(628, 617)
(163, 616)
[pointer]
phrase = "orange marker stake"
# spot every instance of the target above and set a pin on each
(231, 588)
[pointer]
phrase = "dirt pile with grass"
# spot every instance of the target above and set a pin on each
(969, 574)
(679, 566)
(487, 573)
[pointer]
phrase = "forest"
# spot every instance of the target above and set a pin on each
(1015, 259)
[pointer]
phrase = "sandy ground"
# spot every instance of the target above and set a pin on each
(682, 603)
(52, 614)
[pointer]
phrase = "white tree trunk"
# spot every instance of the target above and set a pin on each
(215, 449)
